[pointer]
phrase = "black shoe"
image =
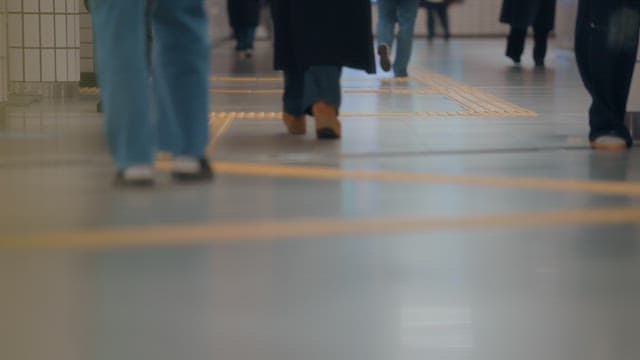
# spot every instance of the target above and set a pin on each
(385, 61)
(192, 169)
(516, 59)
(539, 63)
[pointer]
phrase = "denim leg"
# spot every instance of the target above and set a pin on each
(387, 16)
(122, 74)
(293, 98)
(407, 11)
(181, 69)
(322, 83)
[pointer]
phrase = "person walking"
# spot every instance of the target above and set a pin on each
(606, 45)
(179, 86)
(439, 8)
(244, 16)
(390, 12)
(313, 41)
(520, 15)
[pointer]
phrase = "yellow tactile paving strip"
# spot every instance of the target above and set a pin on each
(190, 234)
(474, 101)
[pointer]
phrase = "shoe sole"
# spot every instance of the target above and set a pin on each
(204, 174)
(609, 147)
(327, 133)
(385, 61)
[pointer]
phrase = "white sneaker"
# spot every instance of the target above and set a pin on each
(191, 168)
(137, 175)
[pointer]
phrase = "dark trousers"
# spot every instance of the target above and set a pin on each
(606, 44)
(245, 37)
(516, 40)
(439, 9)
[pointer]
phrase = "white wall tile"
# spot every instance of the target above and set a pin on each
(86, 36)
(48, 65)
(86, 51)
(31, 30)
(72, 40)
(61, 65)
(86, 65)
(60, 6)
(30, 6)
(85, 21)
(32, 65)
(46, 6)
(14, 5)
(61, 30)
(16, 65)
(15, 29)
(72, 6)
(47, 31)
(74, 65)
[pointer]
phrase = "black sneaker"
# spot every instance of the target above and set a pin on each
(385, 61)
(192, 169)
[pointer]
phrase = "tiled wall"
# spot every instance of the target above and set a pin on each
(44, 41)
(3, 52)
(86, 41)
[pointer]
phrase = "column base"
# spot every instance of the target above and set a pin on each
(46, 90)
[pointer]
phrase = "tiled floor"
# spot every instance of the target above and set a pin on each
(462, 216)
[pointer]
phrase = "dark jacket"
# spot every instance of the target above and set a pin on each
(322, 32)
(243, 13)
(524, 13)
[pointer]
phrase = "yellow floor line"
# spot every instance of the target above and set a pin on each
(218, 129)
(617, 188)
(104, 238)
(328, 173)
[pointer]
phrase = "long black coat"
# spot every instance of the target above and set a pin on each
(322, 32)
(524, 13)
(243, 13)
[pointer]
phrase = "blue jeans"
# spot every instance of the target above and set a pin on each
(178, 121)
(303, 88)
(245, 36)
(403, 12)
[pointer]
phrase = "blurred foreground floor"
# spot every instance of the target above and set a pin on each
(462, 216)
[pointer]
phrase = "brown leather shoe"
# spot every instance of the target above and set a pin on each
(296, 125)
(327, 123)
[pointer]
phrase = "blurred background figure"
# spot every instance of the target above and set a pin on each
(313, 41)
(404, 13)
(437, 8)
(606, 46)
(179, 88)
(520, 14)
(244, 16)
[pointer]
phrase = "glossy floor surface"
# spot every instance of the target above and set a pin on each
(461, 216)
